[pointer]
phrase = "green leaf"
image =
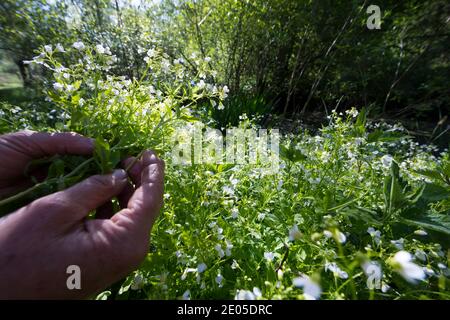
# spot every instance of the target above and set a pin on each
(393, 193)
(432, 221)
(434, 193)
(292, 154)
(56, 169)
(379, 135)
(365, 215)
(102, 155)
(432, 174)
(360, 123)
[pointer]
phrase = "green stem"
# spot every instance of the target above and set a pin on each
(24, 193)
(46, 182)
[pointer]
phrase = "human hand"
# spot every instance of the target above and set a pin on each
(39, 241)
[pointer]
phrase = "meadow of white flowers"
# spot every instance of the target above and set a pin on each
(358, 210)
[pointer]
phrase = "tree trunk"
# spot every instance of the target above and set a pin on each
(24, 73)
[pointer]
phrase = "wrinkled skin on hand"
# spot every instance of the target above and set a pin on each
(39, 241)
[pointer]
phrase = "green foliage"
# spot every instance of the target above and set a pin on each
(357, 193)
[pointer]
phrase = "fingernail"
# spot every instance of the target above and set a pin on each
(149, 157)
(119, 174)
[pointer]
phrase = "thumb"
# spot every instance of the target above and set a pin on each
(85, 196)
(144, 205)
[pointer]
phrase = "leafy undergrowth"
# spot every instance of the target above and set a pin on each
(359, 211)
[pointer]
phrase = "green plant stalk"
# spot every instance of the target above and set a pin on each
(38, 185)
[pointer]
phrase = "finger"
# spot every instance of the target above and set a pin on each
(144, 205)
(18, 186)
(125, 195)
(77, 201)
(42, 144)
(135, 170)
(105, 211)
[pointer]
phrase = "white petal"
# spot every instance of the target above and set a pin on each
(402, 257)
(412, 272)
(312, 289)
(299, 282)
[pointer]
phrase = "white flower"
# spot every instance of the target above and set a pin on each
(219, 280)
(79, 45)
(385, 287)
(60, 48)
(208, 59)
(280, 185)
(442, 266)
(280, 274)
(201, 84)
(311, 289)
(375, 234)
(48, 48)
(151, 53)
(228, 190)
(421, 255)
(219, 250)
(261, 216)
(327, 234)
(165, 65)
(269, 256)
(359, 141)
(325, 156)
(428, 271)
(333, 267)
(386, 160)
(228, 248)
(170, 231)
(212, 224)
(81, 102)
(294, 233)
(58, 86)
(221, 106)
(234, 265)
(100, 49)
(398, 243)
(257, 292)
(66, 75)
(410, 271)
(186, 295)
(234, 213)
(201, 267)
(137, 283)
(352, 112)
(337, 235)
(244, 295)
(420, 232)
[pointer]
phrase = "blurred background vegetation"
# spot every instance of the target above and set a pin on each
(282, 59)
